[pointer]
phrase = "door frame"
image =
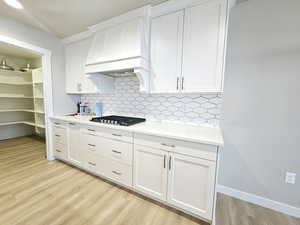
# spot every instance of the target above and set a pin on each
(47, 85)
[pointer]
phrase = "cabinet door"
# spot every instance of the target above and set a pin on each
(150, 172)
(166, 52)
(74, 155)
(191, 184)
(76, 79)
(203, 47)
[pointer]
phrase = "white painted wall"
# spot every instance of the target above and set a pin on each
(261, 103)
(62, 103)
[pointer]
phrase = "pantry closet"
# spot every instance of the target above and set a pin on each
(21, 93)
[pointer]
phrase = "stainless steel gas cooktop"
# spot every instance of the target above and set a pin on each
(118, 120)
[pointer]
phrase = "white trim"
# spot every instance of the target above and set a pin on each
(77, 37)
(261, 201)
(133, 14)
(176, 5)
(46, 64)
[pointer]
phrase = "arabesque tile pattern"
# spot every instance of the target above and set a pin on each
(187, 108)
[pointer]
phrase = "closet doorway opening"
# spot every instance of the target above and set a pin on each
(25, 92)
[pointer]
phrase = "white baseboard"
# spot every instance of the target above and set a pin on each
(264, 202)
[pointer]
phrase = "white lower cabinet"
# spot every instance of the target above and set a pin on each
(74, 148)
(150, 171)
(186, 182)
(111, 158)
(191, 184)
(181, 174)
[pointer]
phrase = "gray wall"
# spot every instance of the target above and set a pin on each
(62, 102)
(261, 105)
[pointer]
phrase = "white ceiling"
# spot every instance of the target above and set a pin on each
(9, 50)
(67, 17)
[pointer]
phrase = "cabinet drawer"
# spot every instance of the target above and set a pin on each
(89, 130)
(59, 139)
(120, 172)
(92, 143)
(95, 163)
(59, 124)
(60, 151)
(116, 135)
(203, 151)
(108, 133)
(59, 135)
(118, 151)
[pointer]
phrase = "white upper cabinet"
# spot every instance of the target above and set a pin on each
(166, 52)
(203, 51)
(191, 184)
(76, 80)
(187, 47)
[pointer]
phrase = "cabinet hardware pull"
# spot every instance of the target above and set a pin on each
(170, 163)
(91, 130)
(165, 161)
(57, 135)
(91, 145)
(168, 145)
(116, 152)
(177, 83)
(57, 123)
(93, 164)
(182, 83)
(117, 135)
(118, 173)
(72, 124)
(57, 150)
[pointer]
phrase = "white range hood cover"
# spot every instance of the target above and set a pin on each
(120, 47)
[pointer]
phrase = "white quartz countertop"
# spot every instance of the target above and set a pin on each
(197, 134)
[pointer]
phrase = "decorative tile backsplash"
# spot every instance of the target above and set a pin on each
(187, 108)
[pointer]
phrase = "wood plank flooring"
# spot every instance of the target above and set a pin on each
(34, 191)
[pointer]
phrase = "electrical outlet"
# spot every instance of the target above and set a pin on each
(290, 178)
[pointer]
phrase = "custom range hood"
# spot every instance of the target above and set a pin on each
(120, 47)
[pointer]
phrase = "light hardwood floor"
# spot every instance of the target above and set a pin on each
(34, 191)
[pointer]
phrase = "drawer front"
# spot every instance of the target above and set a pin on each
(118, 135)
(92, 143)
(60, 135)
(60, 151)
(57, 123)
(118, 151)
(95, 163)
(208, 152)
(120, 172)
(89, 130)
